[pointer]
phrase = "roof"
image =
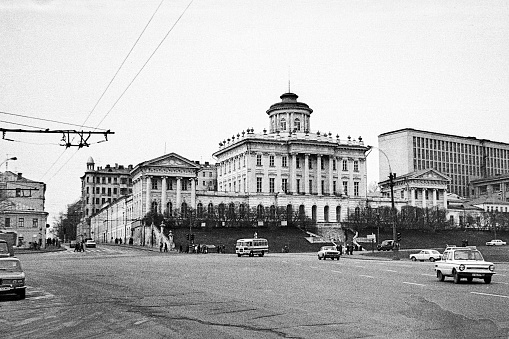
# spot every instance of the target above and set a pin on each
(441, 134)
(289, 100)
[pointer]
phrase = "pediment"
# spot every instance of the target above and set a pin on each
(429, 174)
(171, 160)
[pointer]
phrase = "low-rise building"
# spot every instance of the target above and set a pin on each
(22, 208)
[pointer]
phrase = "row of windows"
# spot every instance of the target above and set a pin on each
(232, 165)
(283, 124)
(108, 180)
(108, 190)
(232, 186)
(21, 222)
(431, 149)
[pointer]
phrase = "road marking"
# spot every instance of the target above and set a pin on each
(428, 275)
(366, 276)
(502, 283)
(391, 271)
(491, 295)
(358, 266)
(336, 271)
(140, 322)
(411, 283)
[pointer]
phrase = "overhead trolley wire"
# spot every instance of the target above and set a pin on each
(41, 119)
(102, 95)
(146, 62)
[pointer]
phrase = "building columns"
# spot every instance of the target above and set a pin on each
(163, 195)
(179, 193)
(319, 174)
(148, 198)
(306, 174)
(412, 198)
(331, 176)
(434, 198)
(193, 193)
(423, 198)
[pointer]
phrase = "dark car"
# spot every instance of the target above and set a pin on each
(385, 245)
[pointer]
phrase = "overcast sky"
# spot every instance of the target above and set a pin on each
(364, 67)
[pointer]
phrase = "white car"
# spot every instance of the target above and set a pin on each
(328, 252)
(430, 255)
(90, 244)
(496, 242)
(464, 262)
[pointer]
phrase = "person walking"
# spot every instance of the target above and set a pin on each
(166, 247)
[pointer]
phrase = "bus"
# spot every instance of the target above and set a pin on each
(252, 247)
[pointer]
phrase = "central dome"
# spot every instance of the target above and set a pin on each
(289, 101)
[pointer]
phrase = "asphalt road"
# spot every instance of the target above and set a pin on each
(118, 292)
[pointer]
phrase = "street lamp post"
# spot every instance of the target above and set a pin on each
(6, 162)
(392, 177)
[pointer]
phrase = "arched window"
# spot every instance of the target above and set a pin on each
(183, 210)
(231, 211)
(259, 212)
(326, 213)
(221, 211)
(289, 213)
(169, 208)
(283, 124)
(242, 211)
(272, 210)
(154, 206)
(357, 212)
(338, 213)
(296, 124)
(199, 210)
(302, 212)
(210, 209)
(313, 213)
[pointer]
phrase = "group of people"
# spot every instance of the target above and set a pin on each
(348, 249)
(80, 246)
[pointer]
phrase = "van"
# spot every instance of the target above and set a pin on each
(6, 249)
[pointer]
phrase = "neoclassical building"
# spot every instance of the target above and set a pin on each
(287, 166)
(424, 188)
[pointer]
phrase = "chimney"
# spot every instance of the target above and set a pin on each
(20, 176)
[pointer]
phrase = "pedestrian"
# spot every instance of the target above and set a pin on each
(161, 247)
(166, 247)
(340, 249)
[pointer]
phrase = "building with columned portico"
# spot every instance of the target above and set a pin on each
(287, 165)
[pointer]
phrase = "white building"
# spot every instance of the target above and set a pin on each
(287, 166)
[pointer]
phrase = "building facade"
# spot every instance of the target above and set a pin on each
(462, 159)
(424, 189)
(22, 208)
(285, 166)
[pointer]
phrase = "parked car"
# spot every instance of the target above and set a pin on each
(12, 277)
(464, 262)
(385, 245)
(6, 249)
(328, 252)
(90, 243)
(496, 242)
(430, 255)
